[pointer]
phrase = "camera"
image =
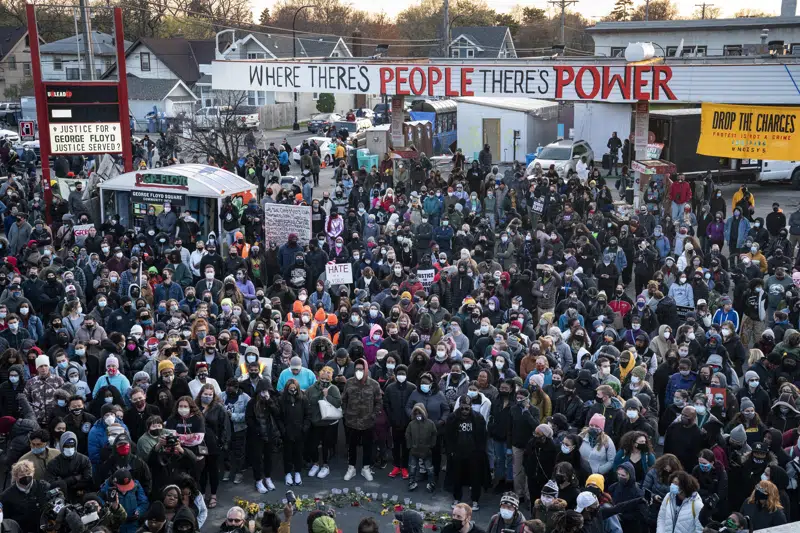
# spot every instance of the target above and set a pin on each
(172, 442)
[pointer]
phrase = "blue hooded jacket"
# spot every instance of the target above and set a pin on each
(98, 439)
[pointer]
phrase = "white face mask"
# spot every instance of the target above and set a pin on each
(667, 334)
(401, 378)
(359, 374)
(68, 452)
(183, 411)
(109, 419)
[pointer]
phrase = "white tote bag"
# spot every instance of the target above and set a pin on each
(328, 411)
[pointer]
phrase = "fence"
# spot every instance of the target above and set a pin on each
(274, 116)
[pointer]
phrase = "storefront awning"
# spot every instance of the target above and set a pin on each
(202, 181)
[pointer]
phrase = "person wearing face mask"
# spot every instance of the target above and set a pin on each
(113, 378)
(465, 440)
(395, 399)
(764, 507)
(294, 424)
(361, 401)
(70, 471)
(26, 498)
(322, 432)
(100, 434)
(40, 388)
(736, 229)
(40, 453)
(169, 381)
(681, 507)
(509, 517)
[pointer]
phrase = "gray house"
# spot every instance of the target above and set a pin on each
(468, 42)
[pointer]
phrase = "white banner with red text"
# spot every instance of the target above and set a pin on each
(589, 81)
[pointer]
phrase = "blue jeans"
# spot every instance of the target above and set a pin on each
(501, 462)
(677, 210)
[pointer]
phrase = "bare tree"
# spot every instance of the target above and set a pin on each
(222, 134)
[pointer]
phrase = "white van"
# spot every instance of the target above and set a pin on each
(780, 171)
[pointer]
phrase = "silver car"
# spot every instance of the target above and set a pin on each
(564, 154)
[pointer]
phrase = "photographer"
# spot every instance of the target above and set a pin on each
(111, 516)
(168, 458)
(26, 498)
(129, 494)
(70, 471)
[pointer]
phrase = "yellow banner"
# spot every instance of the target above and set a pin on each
(745, 132)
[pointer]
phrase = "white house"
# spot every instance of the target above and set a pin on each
(15, 56)
(494, 121)
(61, 60)
(280, 46)
(708, 37)
(170, 96)
(468, 42)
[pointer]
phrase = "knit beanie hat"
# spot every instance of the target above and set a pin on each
(550, 489)
(545, 430)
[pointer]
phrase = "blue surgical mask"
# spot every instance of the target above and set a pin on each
(706, 467)
(674, 489)
(425, 388)
(38, 451)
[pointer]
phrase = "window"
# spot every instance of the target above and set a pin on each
(256, 55)
(26, 69)
(73, 74)
(315, 96)
(687, 51)
(12, 63)
(794, 49)
(732, 50)
(144, 61)
(57, 63)
(470, 52)
(578, 150)
(27, 41)
(618, 51)
(335, 54)
(455, 52)
(256, 98)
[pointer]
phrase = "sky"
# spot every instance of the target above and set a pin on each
(591, 9)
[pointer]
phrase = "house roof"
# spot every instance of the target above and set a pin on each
(9, 37)
(490, 38)
(699, 24)
(102, 43)
(153, 89)
(280, 44)
(182, 56)
(524, 105)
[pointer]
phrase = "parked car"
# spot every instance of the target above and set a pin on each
(10, 136)
(354, 126)
(564, 154)
(322, 121)
(383, 113)
(10, 112)
(780, 171)
(324, 152)
(247, 116)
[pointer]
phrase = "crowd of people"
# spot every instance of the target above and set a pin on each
(602, 370)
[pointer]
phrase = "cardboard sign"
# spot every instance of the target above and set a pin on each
(86, 138)
(339, 274)
(81, 232)
(281, 219)
(717, 396)
(426, 277)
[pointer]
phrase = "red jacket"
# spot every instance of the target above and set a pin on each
(680, 192)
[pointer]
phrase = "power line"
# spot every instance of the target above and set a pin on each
(248, 26)
(563, 4)
(703, 7)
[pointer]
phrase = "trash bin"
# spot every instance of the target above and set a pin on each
(151, 125)
(629, 195)
(529, 158)
(367, 160)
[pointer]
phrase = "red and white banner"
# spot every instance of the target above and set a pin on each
(585, 81)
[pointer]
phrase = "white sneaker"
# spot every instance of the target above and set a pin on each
(260, 487)
(351, 473)
(289, 480)
(323, 472)
(367, 473)
(313, 471)
(297, 479)
(270, 485)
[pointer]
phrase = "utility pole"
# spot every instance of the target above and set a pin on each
(646, 9)
(703, 7)
(88, 47)
(446, 29)
(563, 4)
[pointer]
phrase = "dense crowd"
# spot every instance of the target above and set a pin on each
(603, 368)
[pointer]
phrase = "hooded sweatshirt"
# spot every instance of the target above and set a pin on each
(70, 473)
(420, 434)
(361, 401)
